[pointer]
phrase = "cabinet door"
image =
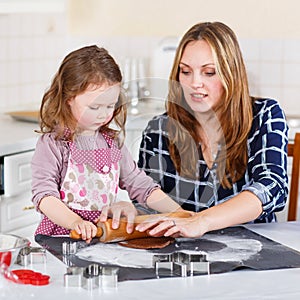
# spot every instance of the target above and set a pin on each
(17, 173)
(16, 212)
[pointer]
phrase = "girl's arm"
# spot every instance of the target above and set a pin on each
(157, 200)
(48, 167)
(61, 215)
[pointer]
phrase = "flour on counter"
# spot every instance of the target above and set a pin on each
(237, 249)
(113, 254)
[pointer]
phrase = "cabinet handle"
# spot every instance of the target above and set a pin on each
(28, 207)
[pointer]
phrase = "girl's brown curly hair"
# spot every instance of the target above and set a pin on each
(87, 66)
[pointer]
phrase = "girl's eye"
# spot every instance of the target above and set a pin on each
(112, 106)
(93, 107)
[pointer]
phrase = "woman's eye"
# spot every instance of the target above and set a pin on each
(185, 72)
(111, 106)
(209, 73)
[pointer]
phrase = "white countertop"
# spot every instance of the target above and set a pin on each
(19, 136)
(243, 284)
(16, 136)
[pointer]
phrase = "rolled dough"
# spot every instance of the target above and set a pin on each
(148, 243)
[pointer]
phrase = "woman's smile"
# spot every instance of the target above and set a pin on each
(198, 77)
(198, 96)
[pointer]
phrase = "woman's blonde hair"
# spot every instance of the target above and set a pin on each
(80, 69)
(234, 113)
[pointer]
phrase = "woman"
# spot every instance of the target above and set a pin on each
(217, 150)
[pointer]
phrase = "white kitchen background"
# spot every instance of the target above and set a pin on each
(32, 46)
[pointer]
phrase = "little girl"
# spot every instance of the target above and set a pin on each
(79, 160)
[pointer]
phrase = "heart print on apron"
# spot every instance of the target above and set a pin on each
(91, 182)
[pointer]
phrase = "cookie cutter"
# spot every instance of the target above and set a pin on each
(74, 277)
(91, 277)
(180, 269)
(196, 263)
(109, 277)
(163, 264)
(69, 248)
(180, 264)
(31, 255)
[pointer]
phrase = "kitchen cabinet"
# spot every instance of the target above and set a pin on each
(16, 213)
(17, 143)
(15, 204)
(17, 173)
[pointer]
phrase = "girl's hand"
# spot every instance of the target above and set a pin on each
(118, 209)
(185, 227)
(86, 229)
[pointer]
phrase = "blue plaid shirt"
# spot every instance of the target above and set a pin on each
(265, 176)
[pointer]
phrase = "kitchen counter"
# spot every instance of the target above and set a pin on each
(242, 284)
(19, 136)
(16, 136)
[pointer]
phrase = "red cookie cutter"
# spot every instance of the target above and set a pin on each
(29, 277)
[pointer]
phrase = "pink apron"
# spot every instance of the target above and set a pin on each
(91, 181)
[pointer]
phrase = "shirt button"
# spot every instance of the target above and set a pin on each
(105, 169)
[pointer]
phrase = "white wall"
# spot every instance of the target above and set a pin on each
(268, 31)
(32, 45)
(249, 18)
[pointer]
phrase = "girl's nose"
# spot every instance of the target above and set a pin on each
(102, 113)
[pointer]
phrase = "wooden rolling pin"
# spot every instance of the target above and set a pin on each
(107, 234)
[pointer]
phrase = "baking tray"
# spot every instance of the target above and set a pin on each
(31, 116)
(271, 255)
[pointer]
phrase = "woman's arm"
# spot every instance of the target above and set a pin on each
(157, 200)
(265, 193)
(267, 162)
(240, 209)
(140, 187)
(161, 202)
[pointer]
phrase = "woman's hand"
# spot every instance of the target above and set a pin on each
(117, 210)
(86, 229)
(185, 227)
